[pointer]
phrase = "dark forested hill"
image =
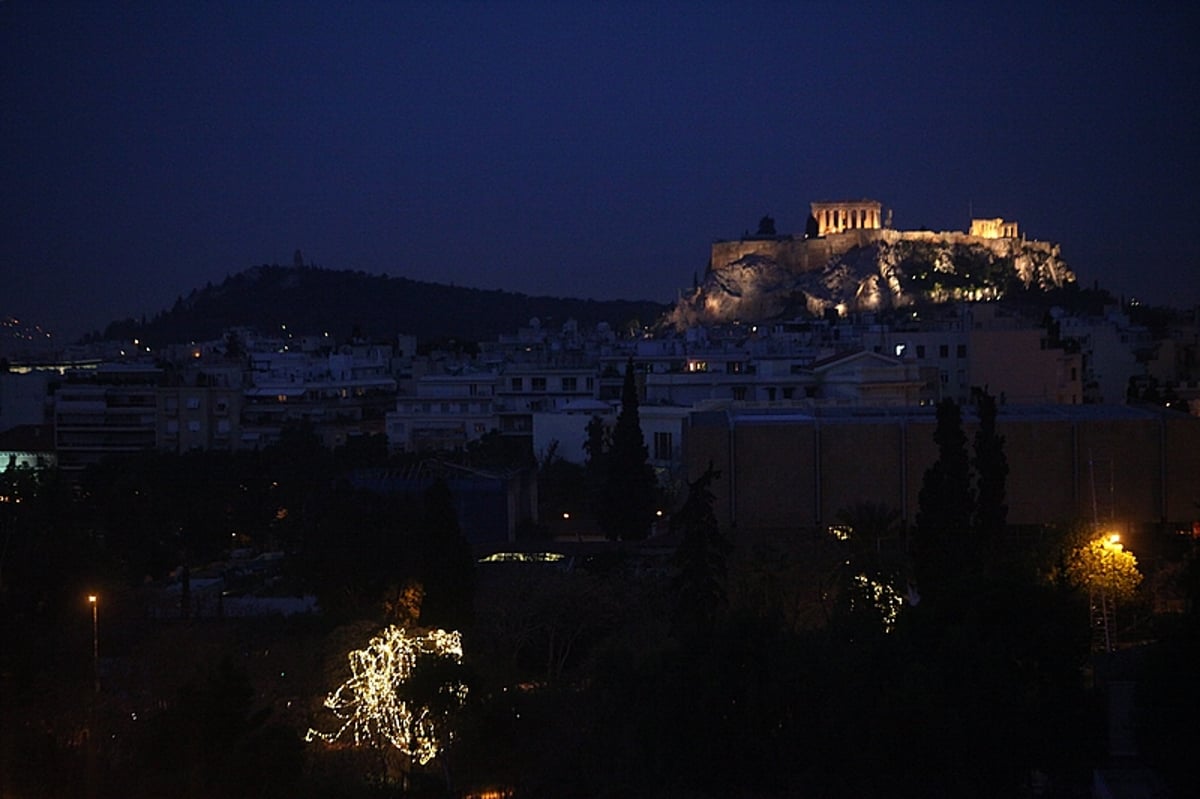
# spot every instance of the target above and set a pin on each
(312, 299)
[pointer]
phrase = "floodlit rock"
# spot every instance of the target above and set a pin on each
(754, 280)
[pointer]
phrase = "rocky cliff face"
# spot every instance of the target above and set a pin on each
(761, 279)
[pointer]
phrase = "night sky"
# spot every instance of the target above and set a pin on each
(590, 150)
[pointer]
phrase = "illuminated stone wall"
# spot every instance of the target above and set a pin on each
(803, 255)
(754, 279)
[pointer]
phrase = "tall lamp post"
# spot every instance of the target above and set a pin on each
(95, 641)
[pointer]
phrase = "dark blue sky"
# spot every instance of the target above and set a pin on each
(592, 151)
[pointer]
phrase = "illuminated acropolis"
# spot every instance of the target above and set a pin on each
(836, 217)
(994, 228)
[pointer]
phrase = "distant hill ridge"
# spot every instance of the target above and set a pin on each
(316, 299)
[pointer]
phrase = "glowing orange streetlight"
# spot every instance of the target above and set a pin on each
(92, 600)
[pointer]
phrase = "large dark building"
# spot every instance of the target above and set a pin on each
(786, 471)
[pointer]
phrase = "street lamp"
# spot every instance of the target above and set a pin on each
(95, 641)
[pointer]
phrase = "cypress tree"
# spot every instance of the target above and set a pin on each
(991, 465)
(448, 568)
(630, 489)
(946, 506)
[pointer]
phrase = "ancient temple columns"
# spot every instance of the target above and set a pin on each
(837, 217)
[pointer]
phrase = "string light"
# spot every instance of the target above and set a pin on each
(372, 704)
(885, 599)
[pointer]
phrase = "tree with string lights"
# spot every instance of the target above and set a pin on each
(379, 706)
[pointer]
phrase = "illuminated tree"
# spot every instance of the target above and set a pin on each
(376, 705)
(1103, 566)
(1109, 573)
(879, 601)
(868, 598)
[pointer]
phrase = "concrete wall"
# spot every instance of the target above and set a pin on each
(788, 473)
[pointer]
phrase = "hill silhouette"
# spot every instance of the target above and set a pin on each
(314, 299)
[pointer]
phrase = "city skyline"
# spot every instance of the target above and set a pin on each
(591, 152)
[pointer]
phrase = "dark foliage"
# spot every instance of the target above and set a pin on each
(313, 299)
(699, 585)
(213, 741)
(991, 464)
(630, 488)
(811, 227)
(946, 507)
(447, 567)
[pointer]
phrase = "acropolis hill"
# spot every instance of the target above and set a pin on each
(851, 259)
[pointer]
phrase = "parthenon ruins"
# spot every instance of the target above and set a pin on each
(836, 217)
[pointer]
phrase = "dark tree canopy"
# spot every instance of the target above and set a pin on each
(766, 226)
(811, 228)
(699, 586)
(629, 495)
(991, 465)
(946, 503)
(448, 568)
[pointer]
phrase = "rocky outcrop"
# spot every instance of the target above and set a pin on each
(754, 280)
